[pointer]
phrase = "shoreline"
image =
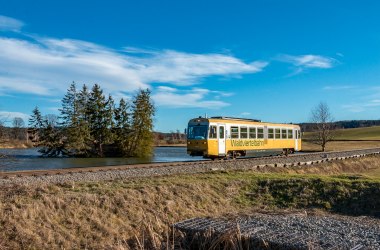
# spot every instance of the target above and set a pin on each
(170, 145)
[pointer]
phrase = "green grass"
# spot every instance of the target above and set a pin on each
(367, 133)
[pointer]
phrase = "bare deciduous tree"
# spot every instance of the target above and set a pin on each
(18, 125)
(322, 119)
(51, 120)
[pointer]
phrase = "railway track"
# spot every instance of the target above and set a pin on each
(154, 169)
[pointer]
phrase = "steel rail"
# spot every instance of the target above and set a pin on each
(324, 156)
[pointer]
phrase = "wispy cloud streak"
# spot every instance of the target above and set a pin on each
(7, 117)
(338, 87)
(10, 24)
(195, 97)
(309, 61)
(303, 62)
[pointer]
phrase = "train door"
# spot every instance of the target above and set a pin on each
(221, 139)
(266, 135)
(296, 135)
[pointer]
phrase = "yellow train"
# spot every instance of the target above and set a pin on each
(229, 137)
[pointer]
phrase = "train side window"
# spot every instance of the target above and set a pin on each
(212, 134)
(270, 133)
(260, 133)
(284, 134)
(234, 132)
(290, 133)
(243, 133)
(278, 133)
(252, 133)
(299, 134)
(221, 132)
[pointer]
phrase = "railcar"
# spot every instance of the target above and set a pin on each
(229, 137)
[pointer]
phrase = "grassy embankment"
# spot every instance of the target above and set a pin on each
(346, 139)
(133, 213)
(15, 144)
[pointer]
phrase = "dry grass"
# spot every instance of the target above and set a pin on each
(340, 145)
(108, 214)
(138, 213)
(15, 144)
(365, 133)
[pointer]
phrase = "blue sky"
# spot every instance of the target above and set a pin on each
(271, 60)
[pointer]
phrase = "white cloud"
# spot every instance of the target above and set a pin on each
(9, 116)
(360, 107)
(10, 24)
(245, 114)
(186, 69)
(46, 66)
(355, 108)
(310, 61)
(303, 62)
(166, 89)
(195, 97)
(342, 87)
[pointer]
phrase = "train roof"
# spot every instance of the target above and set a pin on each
(234, 118)
(237, 119)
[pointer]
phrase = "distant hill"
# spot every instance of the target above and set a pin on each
(307, 127)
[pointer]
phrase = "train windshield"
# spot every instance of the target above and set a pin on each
(197, 132)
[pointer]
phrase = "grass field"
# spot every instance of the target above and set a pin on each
(367, 133)
(137, 213)
(346, 139)
(340, 145)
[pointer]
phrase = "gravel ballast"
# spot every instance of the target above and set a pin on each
(160, 169)
(300, 231)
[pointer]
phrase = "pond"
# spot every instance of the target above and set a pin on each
(29, 159)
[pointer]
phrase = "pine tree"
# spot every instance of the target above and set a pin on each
(108, 117)
(85, 141)
(35, 125)
(122, 128)
(51, 141)
(143, 112)
(74, 127)
(99, 119)
(69, 110)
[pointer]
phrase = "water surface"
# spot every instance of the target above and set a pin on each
(29, 159)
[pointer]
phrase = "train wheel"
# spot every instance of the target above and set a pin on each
(285, 151)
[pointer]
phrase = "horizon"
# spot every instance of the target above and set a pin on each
(266, 60)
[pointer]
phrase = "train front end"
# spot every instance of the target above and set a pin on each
(197, 137)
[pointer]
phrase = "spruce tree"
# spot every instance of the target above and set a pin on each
(51, 138)
(122, 128)
(108, 117)
(98, 119)
(35, 125)
(85, 141)
(143, 112)
(69, 110)
(69, 119)
(74, 127)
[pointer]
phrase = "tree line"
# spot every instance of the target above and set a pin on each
(92, 125)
